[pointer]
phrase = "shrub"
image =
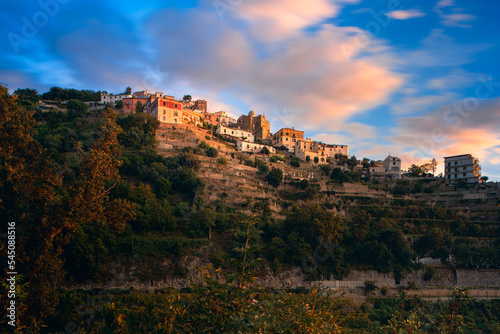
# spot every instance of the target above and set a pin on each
(264, 169)
(295, 162)
(275, 177)
(212, 152)
(207, 137)
(316, 159)
(222, 161)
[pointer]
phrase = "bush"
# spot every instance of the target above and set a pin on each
(295, 162)
(316, 159)
(207, 137)
(222, 161)
(212, 152)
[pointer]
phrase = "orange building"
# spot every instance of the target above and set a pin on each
(287, 137)
(167, 109)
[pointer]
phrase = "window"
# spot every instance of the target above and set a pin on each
(449, 164)
(286, 139)
(164, 112)
(164, 103)
(393, 163)
(175, 113)
(164, 119)
(465, 168)
(232, 132)
(456, 162)
(176, 106)
(465, 174)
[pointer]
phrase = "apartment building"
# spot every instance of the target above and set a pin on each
(287, 137)
(462, 167)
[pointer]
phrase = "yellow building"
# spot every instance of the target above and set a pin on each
(287, 137)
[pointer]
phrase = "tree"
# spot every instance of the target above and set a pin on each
(128, 91)
(337, 175)
(265, 150)
(275, 177)
(316, 160)
(27, 96)
(485, 179)
(433, 164)
(119, 104)
(138, 107)
(187, 98)
(415, 170)
(77, 108)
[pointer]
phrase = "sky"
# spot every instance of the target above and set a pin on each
(417, 79)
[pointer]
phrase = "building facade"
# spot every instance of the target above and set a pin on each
(236, 133)
(166, 109)
(258, 125)
(218, 118)
(287, 137)
(392, 166)
(462, 167)
(245, 146)
(332, 149)
(110, 98)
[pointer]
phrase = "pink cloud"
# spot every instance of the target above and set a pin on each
(405, 14)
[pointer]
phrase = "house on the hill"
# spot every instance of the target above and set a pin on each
(462, 167)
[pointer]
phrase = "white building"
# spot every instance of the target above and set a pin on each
(245, 146)
(236, 133)
(110, 98)
(462, 167)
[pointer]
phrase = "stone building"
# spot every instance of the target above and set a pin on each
(258, 125)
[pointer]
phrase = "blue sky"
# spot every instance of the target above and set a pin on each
(416, 79)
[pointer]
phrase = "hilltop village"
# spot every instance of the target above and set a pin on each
(252, 133)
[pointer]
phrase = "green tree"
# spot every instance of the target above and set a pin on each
(138, 107)
(128, 91)
(338, 175)
(295, 162)
(275, 177)
(77, 108)
(187, 98)
(316, 160)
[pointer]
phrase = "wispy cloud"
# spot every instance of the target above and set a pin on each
(452, 15)
(405, 14)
